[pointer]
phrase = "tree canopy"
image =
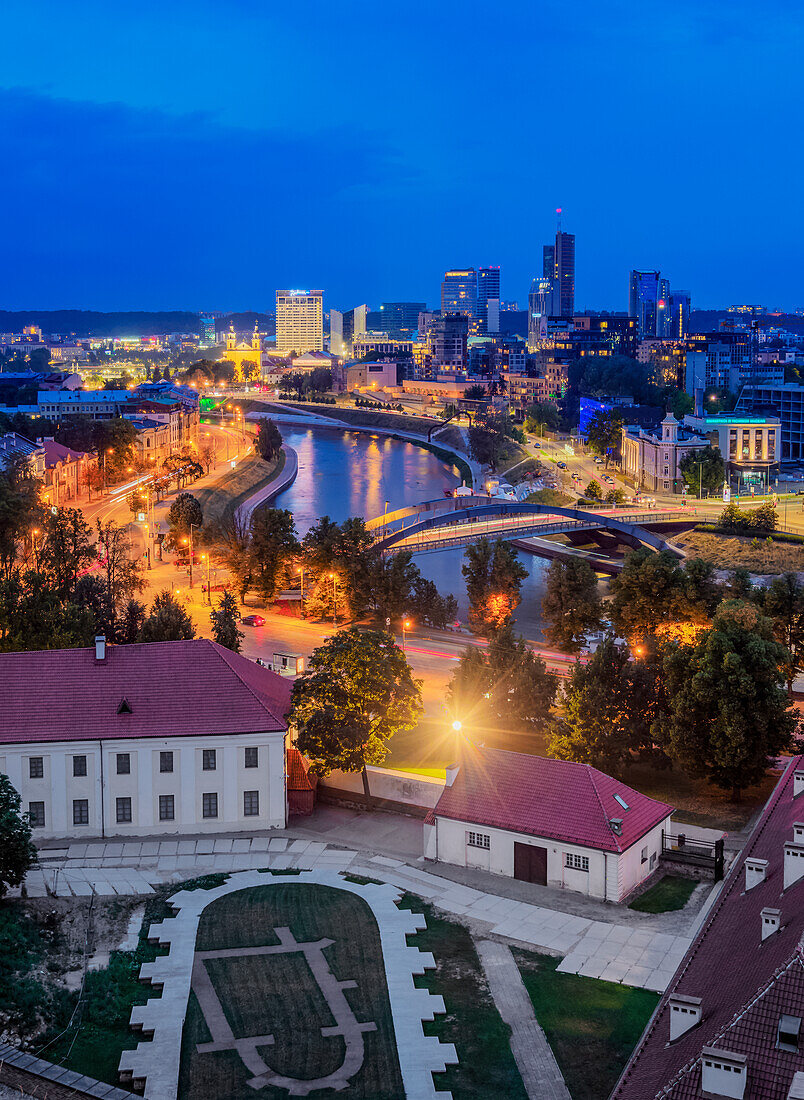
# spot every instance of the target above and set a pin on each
(704, 469)
(224, 623)
(268, 440)
(494, 577)
(17, 850)
(168, 621)
(571, 604)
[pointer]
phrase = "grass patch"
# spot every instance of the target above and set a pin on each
(278, 995)
(754, 553)
(592, 1026)
(486, 1068)
(669, 893)
(549, 496)
(231, 489)
(25, 991)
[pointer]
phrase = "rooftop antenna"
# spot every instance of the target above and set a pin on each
(558, 219)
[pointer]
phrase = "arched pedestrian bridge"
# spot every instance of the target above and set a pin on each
(457, 521)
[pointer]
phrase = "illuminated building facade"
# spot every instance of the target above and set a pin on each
(344, 327)
(558, 263)
(488, 294)
(643, 301)
(459, 292)
(401, 319)
(299, 321)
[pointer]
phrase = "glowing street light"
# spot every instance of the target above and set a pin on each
(334, 599)
(457, 726)
(406, 625)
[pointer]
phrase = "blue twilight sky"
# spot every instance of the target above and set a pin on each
(200, 155)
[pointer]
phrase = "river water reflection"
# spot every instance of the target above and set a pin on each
(344, 474)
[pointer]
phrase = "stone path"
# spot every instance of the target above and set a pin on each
(627, 951)
(535, 1060)
(157, 1062)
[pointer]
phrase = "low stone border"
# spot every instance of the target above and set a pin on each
(284, 478)
(157, 1062)
(59, 1080)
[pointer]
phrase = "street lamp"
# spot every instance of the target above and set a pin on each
(334, 599)
(300, 571)
(205, 557)
(406, 624)
(192, 525)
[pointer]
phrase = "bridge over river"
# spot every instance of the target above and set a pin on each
(457, 521)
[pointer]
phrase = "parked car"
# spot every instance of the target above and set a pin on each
(598, 460)
(608, 478)
(253, 620)
(561, 465)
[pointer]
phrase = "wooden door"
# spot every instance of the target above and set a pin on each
(530, 863)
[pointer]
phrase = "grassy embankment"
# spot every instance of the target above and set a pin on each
(233, 488)
(778, 553)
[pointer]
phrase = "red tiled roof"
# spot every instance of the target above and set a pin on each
(173, 689)
(57, 452)
(727, 965)
(299, 778)
(556, 799)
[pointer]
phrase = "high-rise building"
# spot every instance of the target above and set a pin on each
(678, 315)
(558, 262)
(344, 327)
(643, 301)
(299, 321)
(663, 309)
(459, 292)
(401, 319)
(488, 290)
(542, 304)
(207, 330)
(448, 339)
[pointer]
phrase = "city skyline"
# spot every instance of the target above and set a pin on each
(168, 145)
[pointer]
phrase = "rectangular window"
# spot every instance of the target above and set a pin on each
(732, 443)
(209, 804)
(80, 811)
(644, 855)
(652, 860)
(166, 807)
(252, 757)
(124, 763)
(36, 767)
(79, 765)
(758, 443)
(771, 446)
(166, 761)
(251, 803)
(576, 863)
(37, 812)
(210, 762)
(478, 840)
(123, 810)
(746, 433)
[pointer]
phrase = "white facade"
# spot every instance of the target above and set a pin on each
(608, 876)
(299, 321)
(122, 786)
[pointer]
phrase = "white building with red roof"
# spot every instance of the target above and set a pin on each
(546, 821)
(167, 737)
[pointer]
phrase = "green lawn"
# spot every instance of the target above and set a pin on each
(592, 1026)
(486, 1070)
(230, 490)
(278, 995)
(670, 892)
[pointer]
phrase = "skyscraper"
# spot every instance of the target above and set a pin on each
(643, 301)
(401, 319)
(488, 290)
(299, 321)
(663, 309)
(448, 342)
(678, 315)
(558, 262)
(542, 303)
(459, 292)
(343, 327)
(207, 330)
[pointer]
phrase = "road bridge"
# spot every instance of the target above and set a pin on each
(457, 521)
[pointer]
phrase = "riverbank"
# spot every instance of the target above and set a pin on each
(234, 488)
(284, 476)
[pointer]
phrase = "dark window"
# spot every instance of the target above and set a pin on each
(166, 761)
(166, 807)
(37, 812)
(79, 765)
(80, 811)
(252, 757)
(36, 767)
(123, 810)
(210, 762)
(124, 763)
(210, 805)
(251, 803)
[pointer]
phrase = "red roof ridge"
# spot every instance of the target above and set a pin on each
(606, 818)
(224, 654)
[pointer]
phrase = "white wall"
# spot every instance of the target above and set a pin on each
(188, 782)
(397, 786)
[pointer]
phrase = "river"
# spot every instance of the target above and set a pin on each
(344, 474)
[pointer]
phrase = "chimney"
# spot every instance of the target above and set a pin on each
(723, 1073)
(793, 863)
(755, 872)
(771, 921)
(685, 1013)
(798, 783)
(452, 772)
(798, 832)
(617, 826)
(796, 1091)
(100, 647)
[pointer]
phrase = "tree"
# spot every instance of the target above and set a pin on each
(571, 604)
(703, 469)
(649, 593)
(506, 688)
(738, 521)
(541, 417)
(117, 580)
(491, 438)
(17, 850)
(605, 433)
(593, 490)
(168, 621)
(33, 615)
(783, 603)
(357, 692)
(184, 511)
(273, 546)
(494, 578)
(67, 550)
(475, 393)
(321, 380)
(729, 716)
(20, 510)
(427, 605)
(224, 623)
(232, 547)
(268, 440)
(609, 707)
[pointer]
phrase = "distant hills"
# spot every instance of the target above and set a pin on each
(87, 322)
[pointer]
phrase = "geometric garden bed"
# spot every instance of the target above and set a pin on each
(281, 985)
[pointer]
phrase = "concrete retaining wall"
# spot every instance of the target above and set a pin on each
(387, 785)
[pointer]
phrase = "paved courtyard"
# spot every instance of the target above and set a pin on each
(614, 944)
